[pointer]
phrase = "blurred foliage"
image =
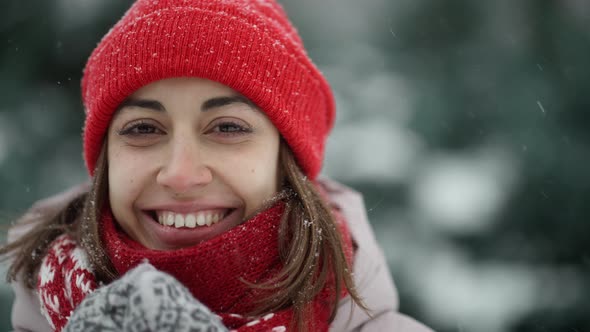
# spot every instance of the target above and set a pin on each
(516, 73)
(529, 85)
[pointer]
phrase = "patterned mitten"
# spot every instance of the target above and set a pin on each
(143, 300)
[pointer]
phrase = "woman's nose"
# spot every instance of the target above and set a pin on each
(185, 169)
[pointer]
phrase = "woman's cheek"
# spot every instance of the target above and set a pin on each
(125, 173)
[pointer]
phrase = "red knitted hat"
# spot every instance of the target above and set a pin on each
(248, 45)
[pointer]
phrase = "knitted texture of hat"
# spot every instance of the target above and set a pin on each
(248, 45)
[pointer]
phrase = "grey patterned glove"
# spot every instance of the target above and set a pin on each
(143, 300)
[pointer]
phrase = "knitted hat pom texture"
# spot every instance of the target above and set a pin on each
(248, 45)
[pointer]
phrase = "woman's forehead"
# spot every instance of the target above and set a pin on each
(210, 95)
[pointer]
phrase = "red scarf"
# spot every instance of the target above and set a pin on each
(213, 271)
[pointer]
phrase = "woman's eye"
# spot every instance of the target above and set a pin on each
(140, 129)
(231, 128)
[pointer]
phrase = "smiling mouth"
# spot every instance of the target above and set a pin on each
(204, 218)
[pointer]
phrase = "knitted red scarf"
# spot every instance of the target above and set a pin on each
(213, 271)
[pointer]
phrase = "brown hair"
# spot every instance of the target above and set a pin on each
(310, 244)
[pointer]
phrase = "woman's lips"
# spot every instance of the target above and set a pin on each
(190, 220)
(164, 237)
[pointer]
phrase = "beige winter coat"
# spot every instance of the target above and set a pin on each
(371, 273)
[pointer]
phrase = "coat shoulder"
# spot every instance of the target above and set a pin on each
(45, 208)
(351, 204)
(26, 309)
(371, 272)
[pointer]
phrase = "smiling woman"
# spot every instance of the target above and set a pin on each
(205, 210)
(172, 150)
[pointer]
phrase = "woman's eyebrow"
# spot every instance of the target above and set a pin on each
(143, 103)
(207, 105)
(216, 102)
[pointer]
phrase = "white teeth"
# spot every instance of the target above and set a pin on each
(190, 220)
(170, 219)
(201, 219)
(178, 221)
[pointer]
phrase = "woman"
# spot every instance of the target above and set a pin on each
(204, 136)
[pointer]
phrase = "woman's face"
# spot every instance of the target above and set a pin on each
(188, 159)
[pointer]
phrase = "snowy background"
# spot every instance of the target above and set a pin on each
(464, 123)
